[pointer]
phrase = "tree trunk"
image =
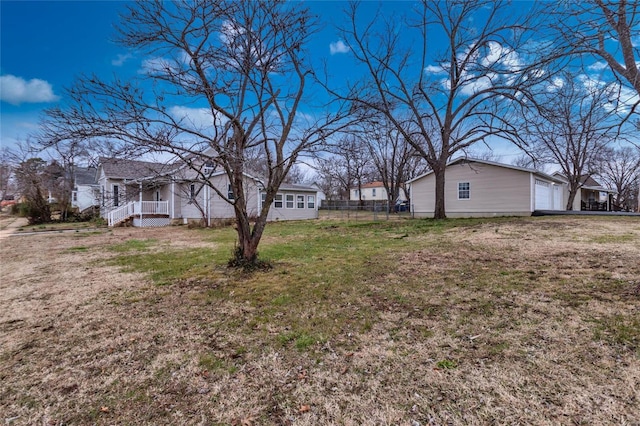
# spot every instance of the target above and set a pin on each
(573, 190)
(439, 211)
(246, 255)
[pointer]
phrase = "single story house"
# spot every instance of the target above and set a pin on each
(480, 188)
(158, 194)
(591, 196)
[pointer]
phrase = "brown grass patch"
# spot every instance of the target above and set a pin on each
(524, 321)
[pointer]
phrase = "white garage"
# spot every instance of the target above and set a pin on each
(542, 195)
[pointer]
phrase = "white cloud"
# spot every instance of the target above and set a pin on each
(338, 47)
(156, 65)
(598, 66)
(121, 59)
(476, 85)
(435, 69)
(16, 90)
(556, 84)
(502, 56)
(195, 118)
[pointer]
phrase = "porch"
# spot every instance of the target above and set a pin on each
(143, 213)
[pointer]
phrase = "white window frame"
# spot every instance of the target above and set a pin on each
(462, 190)
(311, 201)
(299, 201)
(230, 195)
(373, 192)
(279, 199)
(192, 191)
(289, 201)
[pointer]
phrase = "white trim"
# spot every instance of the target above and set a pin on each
(468, 190)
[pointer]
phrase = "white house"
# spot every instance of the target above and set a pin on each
(86, 191)
(485, 188)
(154, 194)
(372, 191)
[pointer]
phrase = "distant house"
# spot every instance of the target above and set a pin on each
(476, 187)
(371, 191)
(155, 194)
(591, 196)
(86, 191)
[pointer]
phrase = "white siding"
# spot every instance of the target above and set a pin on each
(295, 213)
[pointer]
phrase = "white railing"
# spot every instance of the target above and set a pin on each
(135, 208)
(151, 207)
(120, 214)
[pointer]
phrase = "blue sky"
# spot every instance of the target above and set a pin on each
(45, 45)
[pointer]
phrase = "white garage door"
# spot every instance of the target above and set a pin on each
(557, 198)
(543, 195)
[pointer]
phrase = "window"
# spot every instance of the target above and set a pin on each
(373, 192)
(209, 168)
(74, 196)
(230, 192)
(116, 196)
(192, 191)
(289, 200)
(311, 201)
(300, 201)
(464, 191)
(277, 202)
(356, 193)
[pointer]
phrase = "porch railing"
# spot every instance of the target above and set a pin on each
(135, 208)
(151, 207)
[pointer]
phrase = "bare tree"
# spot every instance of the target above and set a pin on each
(222, 78)
(394, 158)
(442, 98)
(606, 30)
(31, 180)
(621, 170)
(571, 125)
(346, 163)
(6, 172)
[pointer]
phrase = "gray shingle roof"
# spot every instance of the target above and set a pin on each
(85, 175)
(119, 168)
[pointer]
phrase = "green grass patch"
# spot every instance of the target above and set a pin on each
(614, 239)
(165, 267)
(619, 330)
(133, 245)
(77, 249)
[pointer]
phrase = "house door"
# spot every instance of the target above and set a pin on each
(116, 195)
(543, 195)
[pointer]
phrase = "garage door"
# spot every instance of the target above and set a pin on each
(557, 198)
(543, 195)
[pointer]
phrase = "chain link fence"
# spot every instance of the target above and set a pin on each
(366, 210)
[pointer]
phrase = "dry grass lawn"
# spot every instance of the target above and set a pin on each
(501, 321)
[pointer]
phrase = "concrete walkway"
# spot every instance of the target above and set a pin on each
(10, 225)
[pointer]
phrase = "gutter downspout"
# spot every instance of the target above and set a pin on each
(140, 190)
